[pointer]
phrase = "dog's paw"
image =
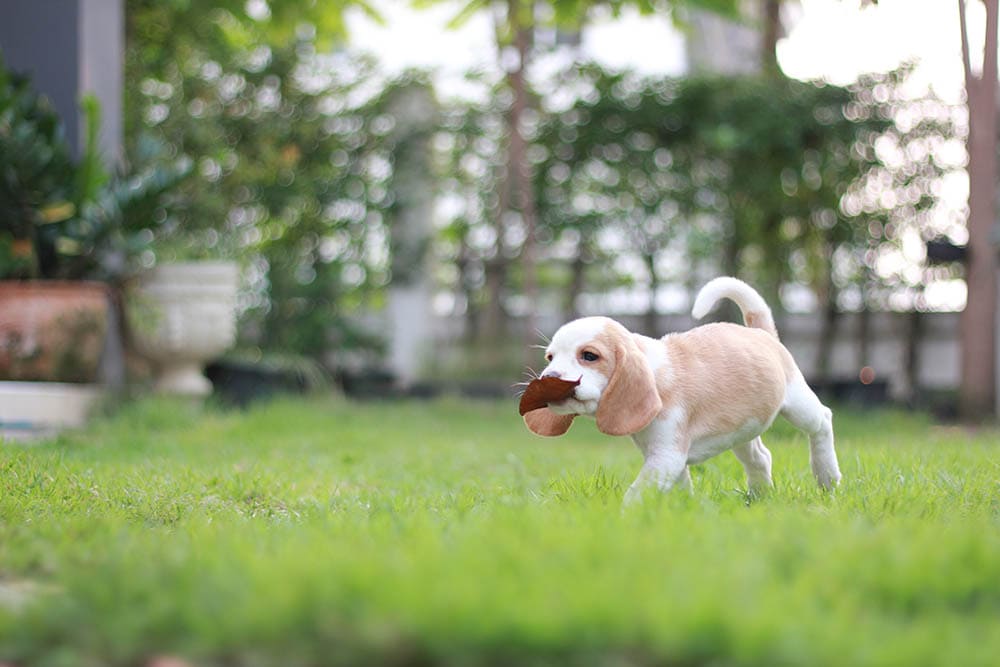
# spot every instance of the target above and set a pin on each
(829, 480)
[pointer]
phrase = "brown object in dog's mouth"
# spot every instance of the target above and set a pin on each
(543, 391)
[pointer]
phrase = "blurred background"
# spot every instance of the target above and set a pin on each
(413, 194)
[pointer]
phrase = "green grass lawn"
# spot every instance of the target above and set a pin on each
(328, 532)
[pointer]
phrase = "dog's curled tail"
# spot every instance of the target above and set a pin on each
(756, 314)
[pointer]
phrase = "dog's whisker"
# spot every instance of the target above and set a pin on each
(519, 388)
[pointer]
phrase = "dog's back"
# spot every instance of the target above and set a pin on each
(725, 374)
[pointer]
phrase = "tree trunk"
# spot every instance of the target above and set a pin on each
(468, 289)
(911, 360)
(827, 336)
(494, 318)
(864, 334)
(978, 321)
(775, 264)
(576, 279)
(769, 37)
(520, 20)
(826, 293)
(650, 319)
(733, 246)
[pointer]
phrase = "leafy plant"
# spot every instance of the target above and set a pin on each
(651, 181)
(293, 169)
(63, 218)
(36, 180)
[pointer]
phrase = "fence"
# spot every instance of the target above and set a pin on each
(909, 353)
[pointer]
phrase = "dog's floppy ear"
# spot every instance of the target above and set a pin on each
(630, 401)
(545, 422)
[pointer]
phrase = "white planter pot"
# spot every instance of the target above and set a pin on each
(35, 409)
(181, 316)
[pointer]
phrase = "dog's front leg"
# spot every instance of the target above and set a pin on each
(662, 470)
(665, 464)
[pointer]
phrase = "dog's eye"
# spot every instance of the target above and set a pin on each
(548, 357)
(589, 356)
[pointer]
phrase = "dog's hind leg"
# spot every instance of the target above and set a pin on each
(803, 409)
(756, 460)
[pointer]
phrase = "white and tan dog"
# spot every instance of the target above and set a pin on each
(688, 396)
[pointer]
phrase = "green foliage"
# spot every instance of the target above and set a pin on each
(772, 179)
(158, 30)
(445, 534)
(637, 180)
(36, 174)
(64, 218)
(293, 162)
(575, 13)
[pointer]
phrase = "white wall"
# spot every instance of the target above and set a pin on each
(938, 352)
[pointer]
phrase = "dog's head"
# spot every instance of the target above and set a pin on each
(616, 382)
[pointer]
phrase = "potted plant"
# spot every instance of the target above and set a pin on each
(180, 298)
(63, 247)
(181, 315)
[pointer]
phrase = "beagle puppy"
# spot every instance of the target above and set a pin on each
(688, 396)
